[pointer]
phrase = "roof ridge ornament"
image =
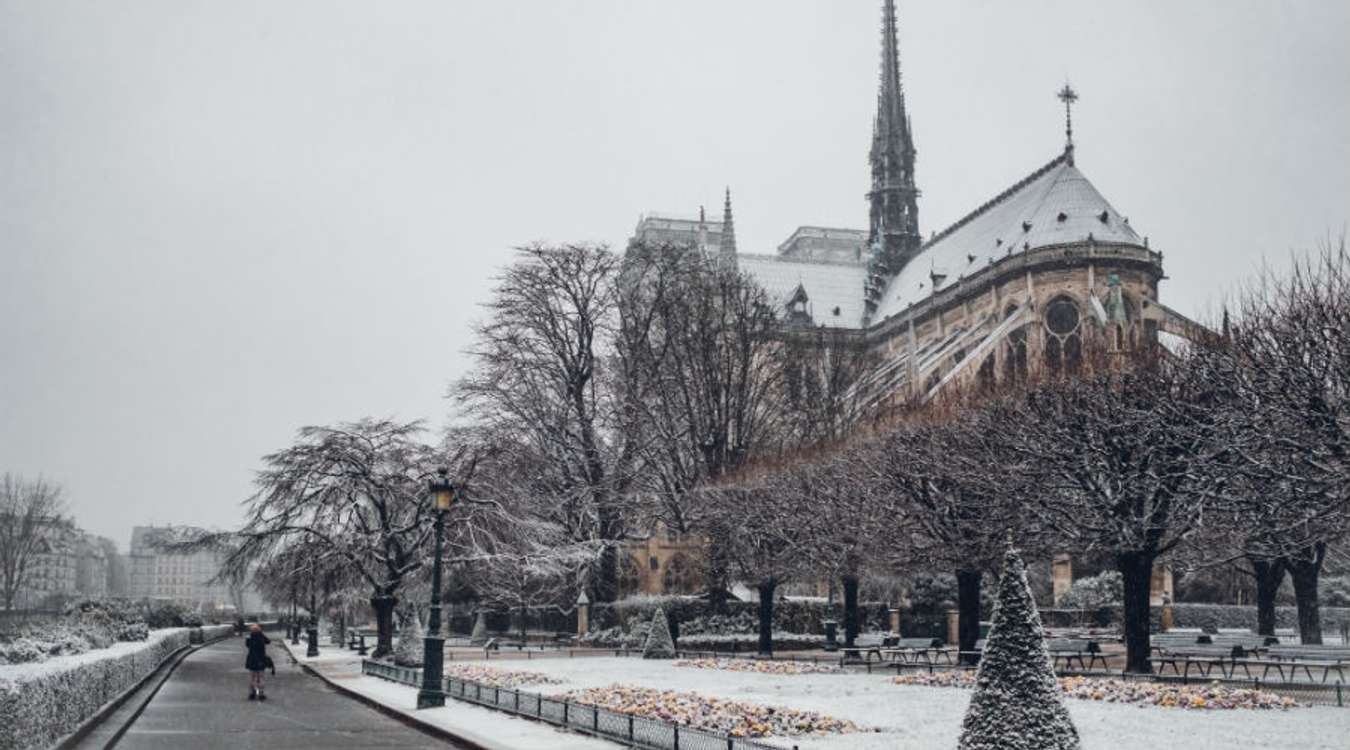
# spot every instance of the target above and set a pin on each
(1068, 96)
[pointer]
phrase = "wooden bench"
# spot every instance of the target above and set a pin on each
(907, 650)
(1088, 653)
(1205, 658)
(1306, 658)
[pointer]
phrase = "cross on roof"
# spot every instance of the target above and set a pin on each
(1068, 96)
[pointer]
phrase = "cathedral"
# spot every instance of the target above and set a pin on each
(1020, 282)
(1023, 281)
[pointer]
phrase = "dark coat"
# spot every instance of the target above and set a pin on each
(256, 643)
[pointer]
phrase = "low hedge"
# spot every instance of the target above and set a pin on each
(1211, 617)
(40, 703)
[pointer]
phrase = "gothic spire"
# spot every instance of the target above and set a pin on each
(728, 249)
(894, 213)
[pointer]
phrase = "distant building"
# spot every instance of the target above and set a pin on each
(183, 578)
(67, 563)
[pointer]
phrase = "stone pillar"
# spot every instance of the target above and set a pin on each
(1062, 569)
(583, 615)
(1160, 585)
(895, 620)
(953, 627)
(1167, 616)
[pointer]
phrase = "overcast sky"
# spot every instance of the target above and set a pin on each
(221, 221)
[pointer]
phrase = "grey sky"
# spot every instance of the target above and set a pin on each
(221, 221)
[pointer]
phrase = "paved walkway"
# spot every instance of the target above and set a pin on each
(205, 705)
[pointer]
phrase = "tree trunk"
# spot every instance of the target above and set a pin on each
(1136, 568)
(850, 610)
(606, 583)
(524, 613)
(766, 589)
(1269, 576)
(1305, 570)
(968, 613)
(383, 605)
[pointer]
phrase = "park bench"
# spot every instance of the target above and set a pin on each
(1306, 658)
(1205, 658)
(1067, 650)
(907, 650)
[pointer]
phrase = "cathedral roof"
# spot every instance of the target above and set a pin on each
(1054, 205)
(829, 286)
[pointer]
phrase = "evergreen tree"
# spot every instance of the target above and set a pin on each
(1017, 703)
(408, 652)
(479, 636)
(659, 643)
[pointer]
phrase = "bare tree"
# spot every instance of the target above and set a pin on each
(702, 344)
(544, 377)
(1288, 359)
(351, 496)
(951, 500)
(27, 510)
(757, 529)
(1127, 460)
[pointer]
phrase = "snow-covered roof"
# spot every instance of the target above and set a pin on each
(1054, 205)
(829, 285)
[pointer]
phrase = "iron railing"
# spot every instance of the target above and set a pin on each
(635, 731)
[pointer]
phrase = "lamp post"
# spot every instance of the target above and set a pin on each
(432, 693)
(294, 626)
(313, 632)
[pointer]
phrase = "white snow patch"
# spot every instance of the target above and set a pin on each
(924, 717)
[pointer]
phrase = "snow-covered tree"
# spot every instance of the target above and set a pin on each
(659, 644)
(479, 636)
(1017, 703)
(408, 652)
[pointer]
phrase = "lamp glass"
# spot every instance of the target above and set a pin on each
(444, 496)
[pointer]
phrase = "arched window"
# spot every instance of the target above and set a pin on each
(1063, 340)
(1015, 356)
(630, 575)
(681, 576)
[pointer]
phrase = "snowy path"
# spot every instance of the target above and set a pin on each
(205, 705)
(925, 717)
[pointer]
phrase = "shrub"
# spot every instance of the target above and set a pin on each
(659, 644)
(1094, 592)
(1017, 701)
(39, 704)
(165, 614)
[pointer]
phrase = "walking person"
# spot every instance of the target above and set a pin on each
(256, 662)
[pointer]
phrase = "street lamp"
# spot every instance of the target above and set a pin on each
(432, 693)
(313, 633)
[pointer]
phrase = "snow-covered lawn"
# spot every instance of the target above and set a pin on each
(930, 717)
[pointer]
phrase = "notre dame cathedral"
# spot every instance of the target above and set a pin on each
(1023, 281)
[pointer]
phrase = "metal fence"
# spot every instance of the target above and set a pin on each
(635, 731)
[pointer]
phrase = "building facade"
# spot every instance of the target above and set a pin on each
(1026, 281)
(185, 578)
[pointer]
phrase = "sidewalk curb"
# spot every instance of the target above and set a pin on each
(408, 719)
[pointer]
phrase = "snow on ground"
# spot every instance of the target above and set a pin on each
(927, 717)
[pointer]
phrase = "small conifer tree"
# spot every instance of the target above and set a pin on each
(479, 636)
(659, 644)
(1017, 703)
